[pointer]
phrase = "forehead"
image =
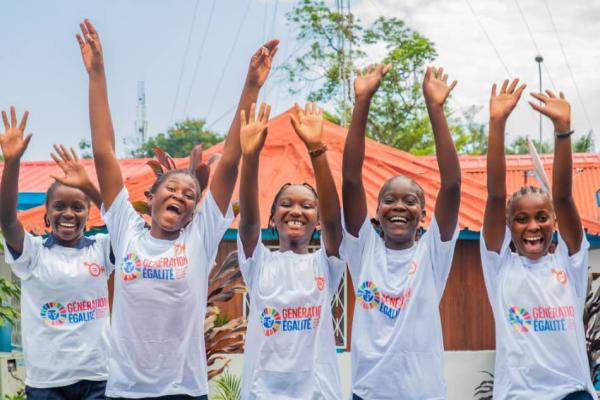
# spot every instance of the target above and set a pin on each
(183, 180)
(531, 203)
(399, 186)
(297, 193)
(67, 194)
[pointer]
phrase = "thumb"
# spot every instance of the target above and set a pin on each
(26, 140)
(59, 179)
(295, 124)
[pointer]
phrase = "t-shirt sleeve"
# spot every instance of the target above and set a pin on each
(353, 248)
(440, 253)
(24, 265)
(250, 266)
(109, 259)
(334, 268)
(212, 224)
(122, 222)
(492, 262)
(576, 264)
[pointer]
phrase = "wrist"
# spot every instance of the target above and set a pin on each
(363, 97)
(252, 84)
(562, 126)
(498, 120)
(433, 106)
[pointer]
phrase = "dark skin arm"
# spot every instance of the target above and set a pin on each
(494, 218)
(353, 190)
(103, 136)
(308, 124)
(225, 175)
(13, 146)
(253, 134)
(436, 91)
(75, 175)
(558, 109)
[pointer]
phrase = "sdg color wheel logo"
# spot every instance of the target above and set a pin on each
(54, 314)
(368, 295)
(520, 319)
(270, 321)
(131, 268)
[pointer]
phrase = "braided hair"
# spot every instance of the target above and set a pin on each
(283, 188)
(162, 177)
(525, 191)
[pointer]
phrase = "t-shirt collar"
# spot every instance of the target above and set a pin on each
(82, 243)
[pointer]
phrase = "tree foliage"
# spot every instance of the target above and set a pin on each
(179, 140)
(585, 144)
(335, 43)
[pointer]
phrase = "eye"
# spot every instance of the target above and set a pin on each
(307, 206)
(521, 219)
(78, 207)
(388, 200)
(543, 217)
(411, 201)
(59, 206)
(190, 196)
(170, 188)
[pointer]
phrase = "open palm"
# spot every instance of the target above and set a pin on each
(91, 49)
(75, 174)
(11, 140)
(262, 62)
(367, 84)
(253, 132)
(557, 108)
(502, 104)
(435, 86)
(308, 124)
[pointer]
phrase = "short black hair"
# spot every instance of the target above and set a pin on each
(417, 187)
(50, 192)
(283, 189)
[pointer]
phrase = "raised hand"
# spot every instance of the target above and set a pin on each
(75, 175)
(91, 49)
(253, 131)
(435, 86)
(261, 63)
(557, 109)
(366, 84)
(308, 124)
(502, 104)
(12, 141)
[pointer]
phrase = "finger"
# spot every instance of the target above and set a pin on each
(90, 27)
(445, 78)
(27, 140)
(59, 179)
(23, 123)
(74, 155)
(539, 96)
(513, 85)
(273, 52)
(453, 84)
(536, 106)
(494, 90)
(57, 160)
(307, 108)
(5, 120)
(295, 123)
(243, 118)
(440, 73)
(80, 40)
(380, 69)
(65, 153)
(93, 44)
(313, 108)
(251, 116)
(267, 113)
(13, 117)
(57, 150)
(271, 44)
(369, 69)
(387, 69)
(261, 111)
(504, 86)
(562, 95)
(84, 30)
(520, 90)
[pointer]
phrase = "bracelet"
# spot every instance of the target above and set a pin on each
(561, 135)
(318, 151)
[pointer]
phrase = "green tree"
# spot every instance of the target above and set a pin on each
(584, 144)
(179, 139)
(335, 43)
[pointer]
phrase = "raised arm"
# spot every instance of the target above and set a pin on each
(226, 172)
(353, 191)
(253, 133)
(75, 175)
(103, 135)
(558, 110)
(436, 91)
(308, 124)
(494, 218)
(13, 146)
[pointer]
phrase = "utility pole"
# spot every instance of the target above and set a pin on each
(539, 59)
(141, 124)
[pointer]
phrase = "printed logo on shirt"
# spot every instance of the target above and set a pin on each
(413, 268)
(320, 281)
(131, 267)
(370, 297)
(542, 318)
(561, 275)
(75, 312)
(291, 319)
(95, 269)
(163, 268)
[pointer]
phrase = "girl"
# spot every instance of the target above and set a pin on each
(397, 347)
(64, 300)
(537, 297)
(290, 347)
(157, 340)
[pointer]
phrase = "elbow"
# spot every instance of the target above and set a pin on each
(452, 186)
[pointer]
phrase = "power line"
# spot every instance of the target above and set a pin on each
(273, 20)
(587, 117)
(489, 39)
(235, 40)
(200, 53)
(537, 49)
(185, 53)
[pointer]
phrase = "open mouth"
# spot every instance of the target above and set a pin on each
(398, 220)
(295, 223)
(67, 225)
(533, 243)
(174, 208)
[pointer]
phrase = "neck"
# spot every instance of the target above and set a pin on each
(395, 245)
(68, 243)
(159, 233)
(296, 247)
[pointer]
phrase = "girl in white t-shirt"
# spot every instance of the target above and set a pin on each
(157, 335)
(537, 296)
(290, 346)
(397, 346)
(64, 292)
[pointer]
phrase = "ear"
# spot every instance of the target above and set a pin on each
(423, 214)
(148, 195)
(46, 221)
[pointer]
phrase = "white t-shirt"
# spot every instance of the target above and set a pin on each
(538, 309)
(64, 309)
(157, 331)
(397, 345)
(290, 345)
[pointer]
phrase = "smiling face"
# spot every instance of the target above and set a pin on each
(295, 216)
(172, 204)
(67, 211)
(400, 211)
(531, 222)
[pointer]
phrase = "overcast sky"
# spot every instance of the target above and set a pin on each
(146, 40)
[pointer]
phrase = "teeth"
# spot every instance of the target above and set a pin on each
(67, 225)
(398, 219)
(533, 239)
(294, 223)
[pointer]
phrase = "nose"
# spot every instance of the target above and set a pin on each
(533, 225)
(399, 205)
(296, 210)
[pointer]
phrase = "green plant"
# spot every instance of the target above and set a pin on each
(20, 395)
(227, 387)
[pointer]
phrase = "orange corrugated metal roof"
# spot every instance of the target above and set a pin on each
(284, 159)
